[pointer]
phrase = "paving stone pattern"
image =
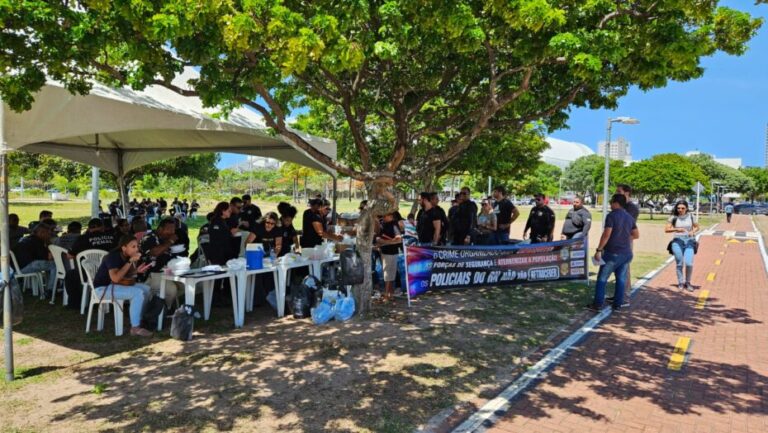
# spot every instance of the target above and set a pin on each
(617, 379)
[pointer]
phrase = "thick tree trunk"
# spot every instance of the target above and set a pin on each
(380, 202)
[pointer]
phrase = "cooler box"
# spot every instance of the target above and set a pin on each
(254, 256)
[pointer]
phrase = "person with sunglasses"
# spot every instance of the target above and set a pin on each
(267, 232)
(684, 226)
(486, 224)
(541, 222)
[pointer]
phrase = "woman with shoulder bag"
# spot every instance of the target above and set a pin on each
(683, 246)
(116, 278)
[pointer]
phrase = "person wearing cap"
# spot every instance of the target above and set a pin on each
(32, 254)
(541, 222)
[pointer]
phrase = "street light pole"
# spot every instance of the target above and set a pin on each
(607, 150)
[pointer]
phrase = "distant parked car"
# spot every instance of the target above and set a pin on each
(668, 208)
(744, 208)
(707, 207)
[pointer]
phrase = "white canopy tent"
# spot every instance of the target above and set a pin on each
(120, 129)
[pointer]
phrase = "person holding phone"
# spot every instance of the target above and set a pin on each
(116, 279)
(684, 227)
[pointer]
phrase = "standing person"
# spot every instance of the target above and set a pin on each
(729, 211)
(541, 222)
(577, 222)
(219, 250)
(630, 207)
(430, 224)
(487, 226)
(506, 214)
(290, 238)
(313, 225)
(116, 279)
(684, 226)
(435, 200)
(250, 214)
(615, 250)
(390, 243)
(463, 220)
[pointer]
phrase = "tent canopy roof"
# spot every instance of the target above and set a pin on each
(120, 129)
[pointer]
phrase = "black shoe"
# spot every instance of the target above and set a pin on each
(594, 307)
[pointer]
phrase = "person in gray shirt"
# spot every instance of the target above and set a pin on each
(577, 222)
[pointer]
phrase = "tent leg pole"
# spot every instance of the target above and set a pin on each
(5, 253)
(123, 195)
(95, 192)
(334, 215)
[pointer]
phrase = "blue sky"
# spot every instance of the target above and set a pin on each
(724, 113)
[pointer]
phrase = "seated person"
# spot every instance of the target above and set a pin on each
(68, 239)
(116, 279)
(157, 245)
(32, 254)
(268, 233)
(96, 237)
(15, 231)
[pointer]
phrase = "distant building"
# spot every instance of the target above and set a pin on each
(619, 150)
(730, 162)
(256, 163)
(561, 153)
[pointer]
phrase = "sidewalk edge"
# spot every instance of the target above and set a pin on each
(761, 243)
(496, 408)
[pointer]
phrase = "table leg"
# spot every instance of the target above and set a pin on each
(162, 312)
(281, 275)
(239, 303)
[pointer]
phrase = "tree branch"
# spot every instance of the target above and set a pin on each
(626, 12)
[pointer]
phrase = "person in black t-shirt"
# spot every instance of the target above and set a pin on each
(541, 222)
(268, 234)
(116, 279)
(430, 224)
(506, 214)
(313, 226)
(250, 214)
(95, 238)
(435, 200)
(156, 247)
(32, 253)
(390, 244)
(463, 220)
(219, 248)
(290, 237)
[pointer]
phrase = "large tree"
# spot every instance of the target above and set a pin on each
(759, 177)
(579, 176)
(730, 178)
(669, 175)
(417, 82)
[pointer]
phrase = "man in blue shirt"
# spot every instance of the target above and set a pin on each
(615, 250)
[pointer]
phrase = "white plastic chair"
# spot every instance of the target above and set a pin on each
(93, 255)
(90, 268)
(61, 273)
(33, 280)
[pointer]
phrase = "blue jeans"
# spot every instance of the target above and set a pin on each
(682, 248)
(42, 265)
(502, 236)
(614, 264)
(136, 295)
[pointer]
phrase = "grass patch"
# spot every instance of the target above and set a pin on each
(99, 388)
(24, 341)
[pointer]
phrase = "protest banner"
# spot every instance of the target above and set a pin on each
(434, 268)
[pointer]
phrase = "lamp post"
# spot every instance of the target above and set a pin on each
(627, 121)
(712, 204)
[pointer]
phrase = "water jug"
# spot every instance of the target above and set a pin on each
(254, 256)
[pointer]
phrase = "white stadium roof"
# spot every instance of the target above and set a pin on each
(561, 152)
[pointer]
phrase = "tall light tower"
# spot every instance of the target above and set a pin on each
(766, 145)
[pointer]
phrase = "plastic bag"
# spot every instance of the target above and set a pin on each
(352, 268)
(322, 313)
(183, 323)
(301, 307)
(236, 264)
(344, 309)
(17, 301)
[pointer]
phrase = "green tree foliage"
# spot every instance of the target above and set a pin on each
(668, 174)
(545, 179)
(759, 177)
(579, 176)
(731, 178)
(615, 168)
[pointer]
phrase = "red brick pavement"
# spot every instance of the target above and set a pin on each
(617, 379)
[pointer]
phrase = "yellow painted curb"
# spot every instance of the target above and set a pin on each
(702, 299)
(677, 359)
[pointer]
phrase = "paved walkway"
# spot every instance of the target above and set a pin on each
(618, 379)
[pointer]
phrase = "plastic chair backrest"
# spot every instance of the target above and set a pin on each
(56, 252)
(89, 269)
(14, 262)
(93, 255)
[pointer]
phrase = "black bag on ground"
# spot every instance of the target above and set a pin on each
(74, 289)
(17, 302)
(183, 323)
(352, 268)
(304, 296)
(152, 311)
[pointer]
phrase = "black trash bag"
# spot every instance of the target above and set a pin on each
(352, 268)
(183, 323)
(152, 310)
(305, 296)
(17, 302)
